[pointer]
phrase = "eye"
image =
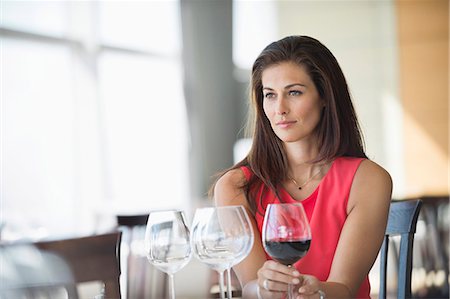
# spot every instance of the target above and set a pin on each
(295, 93)
(269, 95)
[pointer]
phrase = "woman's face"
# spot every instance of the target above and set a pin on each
(291, 102)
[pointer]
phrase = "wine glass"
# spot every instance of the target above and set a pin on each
(221, 238)
(286, 234)
(248, 232)
(167, 243)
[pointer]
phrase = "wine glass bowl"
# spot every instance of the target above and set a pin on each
(286, 234)
(167, 242)
(221, 238)
(287, 252)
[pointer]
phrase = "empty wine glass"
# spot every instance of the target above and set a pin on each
(221, 238)
(167, 243)
(247, 231)
(286, 234)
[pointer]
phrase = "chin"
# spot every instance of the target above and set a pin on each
(288, 139)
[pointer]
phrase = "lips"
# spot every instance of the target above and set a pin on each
(285, 123)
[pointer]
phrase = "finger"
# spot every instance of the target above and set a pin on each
(310, 285)
(272, 270)
(313, 296)
(271, 294)
(271, 285)
(307, 290)
(279, 277)
(288, 270)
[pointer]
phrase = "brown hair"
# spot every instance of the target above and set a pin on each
(338, 131)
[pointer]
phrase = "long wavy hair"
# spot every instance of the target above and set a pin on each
(338, 131)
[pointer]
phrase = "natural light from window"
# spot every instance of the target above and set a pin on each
(93, 119)
(255, 19)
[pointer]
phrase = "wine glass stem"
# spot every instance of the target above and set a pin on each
(290, 295)
(221, 285)
(171, 286)
(229, 291)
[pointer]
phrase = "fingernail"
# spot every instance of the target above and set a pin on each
(295, 281)
(295, 273)
(301, 290)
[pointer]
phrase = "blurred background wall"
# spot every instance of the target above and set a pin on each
(126, 106)
(423, 82)
(395, 57)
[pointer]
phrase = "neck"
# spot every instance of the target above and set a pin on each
(300, 154)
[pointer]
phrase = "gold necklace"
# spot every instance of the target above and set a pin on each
(300, 187)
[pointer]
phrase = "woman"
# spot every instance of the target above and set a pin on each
(307, 147)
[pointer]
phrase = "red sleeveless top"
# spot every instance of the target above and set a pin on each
(326, 209)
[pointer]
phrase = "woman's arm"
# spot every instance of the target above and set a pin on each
(361, 236)
(363, 231)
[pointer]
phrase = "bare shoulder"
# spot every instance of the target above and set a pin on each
(372, 185)
(373, 174)
(228, 189)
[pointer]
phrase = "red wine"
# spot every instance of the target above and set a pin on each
(287, 252)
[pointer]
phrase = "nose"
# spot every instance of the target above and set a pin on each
(282, 107)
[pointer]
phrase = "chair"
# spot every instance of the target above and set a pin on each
(132, 220)
(91, 258)
(53, 268)
(141, 279)
(402, 221)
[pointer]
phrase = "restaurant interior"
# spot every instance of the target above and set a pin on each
(113, 109)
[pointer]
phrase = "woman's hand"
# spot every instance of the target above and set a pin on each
(309, 288)
(273, 279)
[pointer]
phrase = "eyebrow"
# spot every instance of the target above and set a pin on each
(287, 86)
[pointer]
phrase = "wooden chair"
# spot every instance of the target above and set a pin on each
(132, 220)
(402, 221)
(142, 280)
(91, 258)
(53, 268)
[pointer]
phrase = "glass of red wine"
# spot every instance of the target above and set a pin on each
(286, 234)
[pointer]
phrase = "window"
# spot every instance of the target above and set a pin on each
(255, 25)
(93, 115)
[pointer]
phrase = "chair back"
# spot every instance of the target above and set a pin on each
(402, 221)
(91, 258)
(53, 268)
(132, 220)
